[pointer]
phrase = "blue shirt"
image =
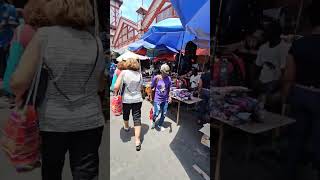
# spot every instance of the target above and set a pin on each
(8, 21)
(113, 68)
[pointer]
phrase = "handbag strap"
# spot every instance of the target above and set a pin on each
(34, 85)
(19, 29)
(95, 62)
(121, 86)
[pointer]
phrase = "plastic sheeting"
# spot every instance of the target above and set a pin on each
(195, 17)
(168, 32)
(199, 25)
(186, 9)
(129, 54)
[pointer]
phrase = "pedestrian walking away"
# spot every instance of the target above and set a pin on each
(130, 82)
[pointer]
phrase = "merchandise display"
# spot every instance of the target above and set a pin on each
(182, 94)
(232, 103)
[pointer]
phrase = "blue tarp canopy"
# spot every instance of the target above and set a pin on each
(155, 49)
(160, 50)
(140, 44)
(168, 32)
(195, 17)
(186, 9)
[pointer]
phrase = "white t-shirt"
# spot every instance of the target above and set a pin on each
(132, 81)
(275, 56)
(194, 80)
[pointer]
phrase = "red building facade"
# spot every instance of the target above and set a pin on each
(128, 31)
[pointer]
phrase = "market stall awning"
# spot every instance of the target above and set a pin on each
(199, 25)
(203, 52)
(129, 54)
(195, 18)
(140, 44)
(165, 57)
(159, 50)
(186, 9)
(168, 32)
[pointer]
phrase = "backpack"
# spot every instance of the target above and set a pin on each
(15, 52)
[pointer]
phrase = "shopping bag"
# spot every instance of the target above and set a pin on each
(116, 105)
(20, 137)
(116, 102)
(151, 114)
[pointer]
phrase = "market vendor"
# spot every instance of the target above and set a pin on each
(271, 61)
(204, 94)
(194, 79)
(302, 87)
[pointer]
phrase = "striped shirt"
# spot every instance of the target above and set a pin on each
(132, 82)
(71, 54)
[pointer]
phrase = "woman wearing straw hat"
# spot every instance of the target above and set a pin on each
(161, 83)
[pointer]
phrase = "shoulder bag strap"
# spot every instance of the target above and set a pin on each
(95, 62)
(19, 29)
(96, 35)
(121, 86)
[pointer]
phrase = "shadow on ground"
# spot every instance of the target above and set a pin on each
(126, 136)
(187, 145)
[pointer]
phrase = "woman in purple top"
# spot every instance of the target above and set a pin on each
(162, 84)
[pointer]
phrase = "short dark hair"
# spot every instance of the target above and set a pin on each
(274, 28)
(314, 13)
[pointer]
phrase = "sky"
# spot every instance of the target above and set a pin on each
(129, 8)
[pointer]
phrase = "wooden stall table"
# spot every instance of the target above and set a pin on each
(189, 102)
(270, 122)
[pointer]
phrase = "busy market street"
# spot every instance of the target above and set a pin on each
(170, 154)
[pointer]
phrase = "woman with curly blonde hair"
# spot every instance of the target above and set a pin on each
(131, 79)
(70, 116)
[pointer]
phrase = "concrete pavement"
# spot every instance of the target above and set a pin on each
(164, 155)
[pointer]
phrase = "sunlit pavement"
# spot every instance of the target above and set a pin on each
(7, 172)
(164, 155)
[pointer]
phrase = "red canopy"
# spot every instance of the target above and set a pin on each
(142, 51)
(203, 52)
(165, 57)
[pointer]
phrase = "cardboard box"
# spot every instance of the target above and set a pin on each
(205, 140)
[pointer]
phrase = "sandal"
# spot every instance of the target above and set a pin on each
(126, 129)
(138, 148)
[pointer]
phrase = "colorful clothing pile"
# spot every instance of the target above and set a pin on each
(235, 106)
(182, 94)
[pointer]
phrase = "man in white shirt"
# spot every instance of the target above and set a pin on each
(194, 79)
(271, 59)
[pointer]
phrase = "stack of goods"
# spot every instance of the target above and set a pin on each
(234, 105)
(182, 94)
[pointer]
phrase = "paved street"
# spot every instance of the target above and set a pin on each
(165, 155)
(8, 173)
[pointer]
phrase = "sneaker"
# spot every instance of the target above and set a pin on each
(153, 124)
(161, 128)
